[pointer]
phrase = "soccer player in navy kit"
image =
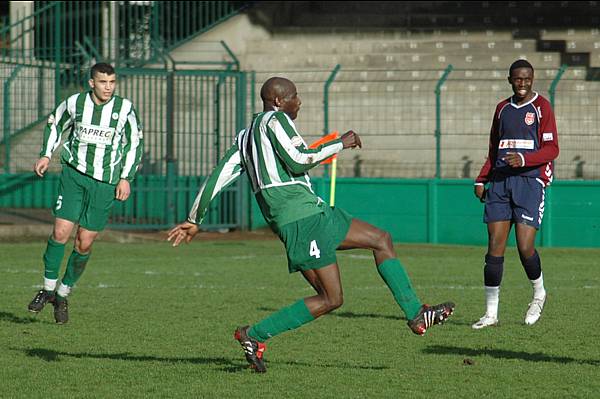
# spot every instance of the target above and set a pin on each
(523, 145)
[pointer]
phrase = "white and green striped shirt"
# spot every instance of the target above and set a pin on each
(105, 141)
(276, 159)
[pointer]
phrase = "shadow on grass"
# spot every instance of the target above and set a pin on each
(13, 318)
(507, 354)
(227, 365)
(349, 315)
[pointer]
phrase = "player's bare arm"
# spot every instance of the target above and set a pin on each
(479, 191)
(515, 159)
(351, 140)
(41, 166)
(182, 232)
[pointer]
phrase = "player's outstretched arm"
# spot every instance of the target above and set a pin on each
(226, 172)
(182, 232)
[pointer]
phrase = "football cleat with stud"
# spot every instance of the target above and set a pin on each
(61, 311)
(253, 350)
(429, 316)
(485, 321)
(40, 300)
(535, 310)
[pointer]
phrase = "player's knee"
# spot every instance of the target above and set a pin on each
(83, 246)
(384, 241)
(61, 235)
(334, 302)
(526, 252)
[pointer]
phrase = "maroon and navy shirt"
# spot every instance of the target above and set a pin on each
(528, 129)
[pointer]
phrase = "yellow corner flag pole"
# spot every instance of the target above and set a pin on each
(332, 160)
(332, 188)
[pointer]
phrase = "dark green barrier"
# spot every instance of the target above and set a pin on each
(446, 211)
(442, 211)
(148, 207)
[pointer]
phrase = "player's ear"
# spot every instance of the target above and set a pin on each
(91, 83)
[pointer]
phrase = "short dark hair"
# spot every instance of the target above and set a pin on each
(101, 67)
(519, 64)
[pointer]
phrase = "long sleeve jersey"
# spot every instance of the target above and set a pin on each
(529, 129)
(276, 160)
(105, 141)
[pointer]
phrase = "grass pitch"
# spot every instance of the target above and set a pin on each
(148, 320)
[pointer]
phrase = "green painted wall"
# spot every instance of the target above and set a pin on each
(434, 211)
(446, 211)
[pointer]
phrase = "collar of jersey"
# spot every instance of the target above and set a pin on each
(523, 105)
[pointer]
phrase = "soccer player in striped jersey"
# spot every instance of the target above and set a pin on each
(276, 159)
(100, 157)
(523, 146)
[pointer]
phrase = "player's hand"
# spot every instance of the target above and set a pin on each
(514, 159)
(351, 140)
(123, 190)
(480, 192)
(184, 231)
(41, 166)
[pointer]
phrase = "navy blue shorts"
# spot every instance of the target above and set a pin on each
(519, 199)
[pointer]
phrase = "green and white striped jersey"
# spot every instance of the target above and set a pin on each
(277, 160)
(105, 141)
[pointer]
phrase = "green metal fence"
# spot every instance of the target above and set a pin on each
(55, 45)
(189, 116)
(190, 119)
(435, 123)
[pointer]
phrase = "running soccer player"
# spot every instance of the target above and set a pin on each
(100, 158)
(523, 145)
(277, 159)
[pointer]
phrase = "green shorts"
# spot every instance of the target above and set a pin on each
(83, 199)
(311, 242)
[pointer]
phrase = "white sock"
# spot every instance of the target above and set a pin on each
(63, 290)
(49, 285)
(492, 299)
(538, 287)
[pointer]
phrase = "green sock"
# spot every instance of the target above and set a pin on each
(284, 319)
(53, 258)
(394, 275)
(75, 268)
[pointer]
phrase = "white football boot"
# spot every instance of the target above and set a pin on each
(485, 321)
(535, 310)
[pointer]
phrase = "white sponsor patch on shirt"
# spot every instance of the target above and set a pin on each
(296, 141)
(93, 134)
(547, 136)
(514, 143)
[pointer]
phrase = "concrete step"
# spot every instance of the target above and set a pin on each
(347, 46)
(399, 61)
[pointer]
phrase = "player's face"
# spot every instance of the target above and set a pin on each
(103, 86)
(291, 103)
(521, 80)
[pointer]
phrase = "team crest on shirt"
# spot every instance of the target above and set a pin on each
(115, 116)
(529, 118)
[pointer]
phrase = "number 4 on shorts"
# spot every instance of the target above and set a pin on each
(314, 249)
